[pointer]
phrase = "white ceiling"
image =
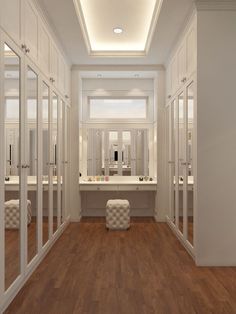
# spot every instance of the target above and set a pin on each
(63, 19)
(98, 19)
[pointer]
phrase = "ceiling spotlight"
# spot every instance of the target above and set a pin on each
(117, 30)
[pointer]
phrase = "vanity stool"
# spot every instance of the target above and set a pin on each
(12, 214)
(118, 214)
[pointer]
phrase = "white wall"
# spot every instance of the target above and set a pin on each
(216, 138)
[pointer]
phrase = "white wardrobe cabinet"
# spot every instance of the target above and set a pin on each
(26, 26)
(182, 63)
(10, 18)
(61, 74)
(180, 164)
(30, 30)
(54, 64)
(34, 165)
(44, 50)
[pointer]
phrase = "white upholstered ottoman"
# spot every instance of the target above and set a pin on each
(118, 214)
(12, 214)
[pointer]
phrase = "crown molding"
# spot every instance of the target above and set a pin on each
(215, 5)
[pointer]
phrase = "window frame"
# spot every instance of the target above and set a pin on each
(118, 120)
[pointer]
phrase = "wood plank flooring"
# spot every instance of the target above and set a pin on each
(144, 270)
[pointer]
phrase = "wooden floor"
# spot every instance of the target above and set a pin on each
(144, 270)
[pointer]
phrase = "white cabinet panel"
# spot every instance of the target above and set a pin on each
(10, 18)
(44, 50)
(191, 51)
(174, 75)
(182, 64)
(168, 82)
(61, 74)
(53, 63)
(31, 30)
(67, 81)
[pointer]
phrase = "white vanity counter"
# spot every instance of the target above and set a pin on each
(115, 184)
(13, 183)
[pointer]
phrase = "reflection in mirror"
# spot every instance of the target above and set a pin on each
(54, 156)
(190, 174)
(126, 153)
(13, 204)
(113, 152)
(32, 161)
(62, 160)
(181, 152)
(171, 158)
(45, 152)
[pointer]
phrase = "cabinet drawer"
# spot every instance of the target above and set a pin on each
(98, 187)
(137, 187)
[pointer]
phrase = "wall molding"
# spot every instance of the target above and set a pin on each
(215, 5)
(116, 67)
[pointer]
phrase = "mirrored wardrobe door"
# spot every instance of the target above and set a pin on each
(64, 162)
(31, 137)
(13, 172)
(190, 168)
(171, 159)
(53, 162)
(45, 161)
(60, 161)
(181, 159)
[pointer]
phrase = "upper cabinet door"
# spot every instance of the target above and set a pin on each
(174, 75)
(182, 64)
(61, 74)
(44, 50)
(67, 81)
(30, 22)
(191, 50)
(168, 82)
(10, 18)
(53, 63)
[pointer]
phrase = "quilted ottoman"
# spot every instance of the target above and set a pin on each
(117, 214)
(12, 214)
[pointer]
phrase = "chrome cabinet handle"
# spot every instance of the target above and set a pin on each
(23, 47)
(169, 96)
(171, 162)
(183, 163)
(27, 50)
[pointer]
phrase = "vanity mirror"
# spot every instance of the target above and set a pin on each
(117, 152)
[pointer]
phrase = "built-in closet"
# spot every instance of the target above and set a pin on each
(181, 137)
(34, 145)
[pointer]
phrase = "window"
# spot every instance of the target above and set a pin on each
(118, 108)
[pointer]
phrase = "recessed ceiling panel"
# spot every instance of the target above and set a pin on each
(118, 27)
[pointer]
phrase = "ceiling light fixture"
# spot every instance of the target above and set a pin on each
(117, 30)
(99, 75)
